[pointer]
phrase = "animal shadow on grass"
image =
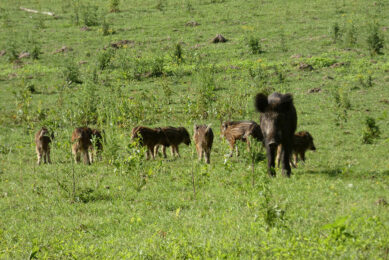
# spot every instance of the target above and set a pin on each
(335, 172)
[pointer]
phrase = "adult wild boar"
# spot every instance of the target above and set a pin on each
(278, 123)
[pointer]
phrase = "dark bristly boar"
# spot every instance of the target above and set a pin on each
(81, 143)
(149, 137)
(42, 145)
(240, 130)
(175, 136)
(203, 138)
(278, 123)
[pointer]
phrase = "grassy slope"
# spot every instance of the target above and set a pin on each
(112, 214)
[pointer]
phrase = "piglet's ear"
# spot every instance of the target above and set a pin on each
(260, 102)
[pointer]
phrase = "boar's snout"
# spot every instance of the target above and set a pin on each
(313, 148)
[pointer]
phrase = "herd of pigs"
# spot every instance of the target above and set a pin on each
(278, 123)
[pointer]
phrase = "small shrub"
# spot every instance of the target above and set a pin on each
(157, 67)
(342, 105)
(23, 104)
(72, 73)
(75, 17)
(335, 32)
(178, 54)
(161, 5)
(105, 58)
(167, 91)
(114, 6)
(254, 45)
(351, 35)
(375, 40)
(36, 52)
(371, 131)
(105, 28)
(12, 52)
(259, 74)
(90, 15)
(365, 81)
(189, 7)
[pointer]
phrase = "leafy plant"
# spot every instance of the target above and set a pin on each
(342, 105)
(178, 54)
(105, 58)
(351, 35)
(254, 45)
(336, 32)
(90, 15)
(114, 6)
(375, 40)
(36, 52)
(371, 131)
(72, 72)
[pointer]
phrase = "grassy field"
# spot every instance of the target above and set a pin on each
(331, 55)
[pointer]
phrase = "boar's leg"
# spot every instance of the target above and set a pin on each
(39, 155)
(278, 157)
(302, 155)
(86, 156)
(164, 151)
(199, 152)
(232, 144)
(177, 152)
(48, 155)
(149, 152)
(208, 156)
(271, 153)
(285, 153)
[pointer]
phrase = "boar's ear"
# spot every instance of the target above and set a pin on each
(260, 102)
(286, 102)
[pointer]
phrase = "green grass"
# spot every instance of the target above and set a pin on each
(126, 207)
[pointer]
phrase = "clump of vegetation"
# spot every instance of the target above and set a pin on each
(12, 52)
(254, 45)
(336, 33)
(157, 66)
(23, 104)
(167, 91)
(371, 131)
(36, 52)
(351, 35)
(114, 6)
(178, 54)
(105, 58)
(72, 73)
(90, 15)
(105, 28)
(161, 5)
(375, 40)
(366, 81)
(342, 105)
(205, 94)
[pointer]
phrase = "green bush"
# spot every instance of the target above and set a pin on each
(371, 131)
(375, 40)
